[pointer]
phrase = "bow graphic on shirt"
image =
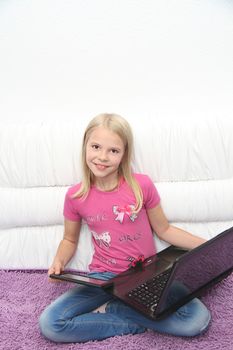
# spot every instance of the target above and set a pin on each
(136, 262)
(122, 211)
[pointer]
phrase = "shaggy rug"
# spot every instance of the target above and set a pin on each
(24, 294)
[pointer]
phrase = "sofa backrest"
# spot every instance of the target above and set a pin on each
(190, 162)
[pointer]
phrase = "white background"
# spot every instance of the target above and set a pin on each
(66, 59)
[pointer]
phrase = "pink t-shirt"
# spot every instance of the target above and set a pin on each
(119, 236)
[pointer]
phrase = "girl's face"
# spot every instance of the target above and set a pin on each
(104, 152)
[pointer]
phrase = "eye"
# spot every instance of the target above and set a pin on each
(114, 151)
(95, 146)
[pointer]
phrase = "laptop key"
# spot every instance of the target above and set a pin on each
(148, 293)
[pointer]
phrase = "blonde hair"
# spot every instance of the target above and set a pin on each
(121, 127)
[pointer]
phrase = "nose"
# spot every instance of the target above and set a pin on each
(103, 156)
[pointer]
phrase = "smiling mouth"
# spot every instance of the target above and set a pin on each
(101, 166)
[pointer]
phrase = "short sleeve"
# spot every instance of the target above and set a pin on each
(151, 197)
(69, 210)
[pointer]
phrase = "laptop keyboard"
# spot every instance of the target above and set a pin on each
(148, 293)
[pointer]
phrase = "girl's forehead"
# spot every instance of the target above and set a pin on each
(103, 134)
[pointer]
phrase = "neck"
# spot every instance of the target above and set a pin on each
(107, 186)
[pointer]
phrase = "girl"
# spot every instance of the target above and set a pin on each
(121, 209)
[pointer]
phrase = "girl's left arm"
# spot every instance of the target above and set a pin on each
(169, 233)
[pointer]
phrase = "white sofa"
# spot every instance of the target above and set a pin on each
(191, 163)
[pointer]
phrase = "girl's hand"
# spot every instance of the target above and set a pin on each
(56, 268)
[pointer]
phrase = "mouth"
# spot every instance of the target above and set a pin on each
(101, 166)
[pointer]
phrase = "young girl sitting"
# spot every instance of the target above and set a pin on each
(122, 210)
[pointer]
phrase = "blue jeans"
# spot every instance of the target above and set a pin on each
(70, 318)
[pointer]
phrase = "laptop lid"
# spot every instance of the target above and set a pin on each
(198, 270)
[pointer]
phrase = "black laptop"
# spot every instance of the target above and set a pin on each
(148, 286)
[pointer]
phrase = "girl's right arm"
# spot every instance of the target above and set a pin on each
(67, 246)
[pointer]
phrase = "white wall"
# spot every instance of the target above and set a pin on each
(63, 59)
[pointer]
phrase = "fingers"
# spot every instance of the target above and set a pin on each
(55, 269)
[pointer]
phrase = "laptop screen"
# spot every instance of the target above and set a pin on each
(197, 269)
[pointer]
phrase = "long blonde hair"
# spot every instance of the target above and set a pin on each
(121, 127)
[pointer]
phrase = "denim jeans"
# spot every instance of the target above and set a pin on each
(70, 318)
